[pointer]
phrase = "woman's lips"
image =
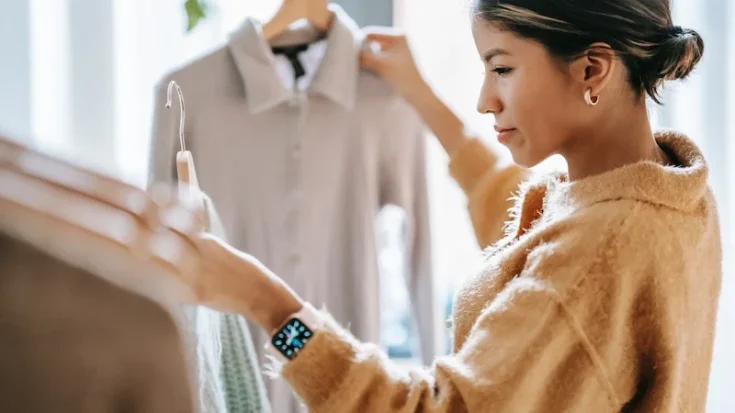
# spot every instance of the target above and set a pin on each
(504, 134)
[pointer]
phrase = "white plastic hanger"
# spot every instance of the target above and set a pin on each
(184, 160)
(188, 183)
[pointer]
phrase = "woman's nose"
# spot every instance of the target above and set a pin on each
(488, 101)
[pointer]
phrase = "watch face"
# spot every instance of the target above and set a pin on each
(291, 338)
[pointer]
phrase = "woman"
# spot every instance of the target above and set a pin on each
(602, 295)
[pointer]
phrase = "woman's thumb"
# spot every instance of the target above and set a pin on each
(371, 59)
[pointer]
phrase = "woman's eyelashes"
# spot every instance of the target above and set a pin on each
(502, 71)
(499, 71)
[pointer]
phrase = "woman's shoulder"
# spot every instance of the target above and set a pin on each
(625, 241)
(630, 226)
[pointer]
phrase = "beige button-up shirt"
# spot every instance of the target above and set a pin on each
(298, 174)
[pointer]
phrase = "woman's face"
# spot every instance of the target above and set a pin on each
(536, 103)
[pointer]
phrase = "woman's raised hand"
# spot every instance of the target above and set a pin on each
(387, 53)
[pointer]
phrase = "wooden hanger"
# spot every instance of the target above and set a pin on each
(315, 12)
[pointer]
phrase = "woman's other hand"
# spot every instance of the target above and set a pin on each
(224, 278)
(387, 53)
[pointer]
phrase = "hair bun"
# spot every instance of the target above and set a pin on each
(674, 31)
(677, 55)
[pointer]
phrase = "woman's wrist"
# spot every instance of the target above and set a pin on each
(274, 300)
(282, 308)
(275, 304)
(233, 281)
(271, 306)
(443, 122)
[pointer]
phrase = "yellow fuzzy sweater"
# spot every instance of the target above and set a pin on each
(600, 298)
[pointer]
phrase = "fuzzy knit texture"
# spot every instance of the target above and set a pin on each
(600, 298)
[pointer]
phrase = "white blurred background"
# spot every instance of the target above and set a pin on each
(77, 77)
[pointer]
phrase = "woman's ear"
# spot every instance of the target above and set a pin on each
(595, 67)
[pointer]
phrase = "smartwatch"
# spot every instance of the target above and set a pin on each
(294, 335)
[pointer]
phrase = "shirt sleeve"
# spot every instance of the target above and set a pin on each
(524, 353)
(404, 184)
(489, 187)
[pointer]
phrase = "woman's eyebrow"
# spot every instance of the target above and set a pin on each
(487, 56)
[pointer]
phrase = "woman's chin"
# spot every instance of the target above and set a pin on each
(520, 158)
(524, 159)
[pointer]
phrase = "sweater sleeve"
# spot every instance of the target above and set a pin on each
(524, 352)
(489, 188)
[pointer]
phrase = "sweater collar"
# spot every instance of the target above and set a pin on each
(679, 187)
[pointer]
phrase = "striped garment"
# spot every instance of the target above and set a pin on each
(241, 376)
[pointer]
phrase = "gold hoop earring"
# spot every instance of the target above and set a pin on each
(592, 101)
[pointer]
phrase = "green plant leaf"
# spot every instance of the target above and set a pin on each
(196, 11)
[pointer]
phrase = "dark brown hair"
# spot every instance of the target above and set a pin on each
(640, 32)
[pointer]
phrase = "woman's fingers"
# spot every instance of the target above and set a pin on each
(384, 36)
(370, 60)
(384, 32)
(383, 41)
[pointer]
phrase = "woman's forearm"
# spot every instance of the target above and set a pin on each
(233, 281)
(443, 122)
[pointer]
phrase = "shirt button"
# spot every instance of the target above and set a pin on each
(297, 151)
(295, 258)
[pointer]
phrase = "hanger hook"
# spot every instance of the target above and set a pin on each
(182, 121)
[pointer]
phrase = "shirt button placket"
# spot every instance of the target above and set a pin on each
(299, 103)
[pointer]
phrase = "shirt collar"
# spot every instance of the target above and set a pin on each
(336, 77)
(310, 60)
